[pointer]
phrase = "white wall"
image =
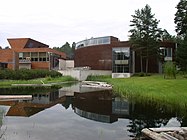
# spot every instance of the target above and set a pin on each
(121, 75)
(81, 75)
(69, 63)
(62, 64)
(65, 64)
(24, 66)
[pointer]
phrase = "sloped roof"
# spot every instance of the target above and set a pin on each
(20, 43)
(31, 45)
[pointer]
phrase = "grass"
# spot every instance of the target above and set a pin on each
(47, 80)
(172, 92)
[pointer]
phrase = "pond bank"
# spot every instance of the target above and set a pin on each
(40, 82)
(172, 92)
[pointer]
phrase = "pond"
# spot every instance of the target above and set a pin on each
(80, 113)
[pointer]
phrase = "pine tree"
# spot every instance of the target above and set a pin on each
(181, 29)
(182, 55)
(181, 18)
(145, 34)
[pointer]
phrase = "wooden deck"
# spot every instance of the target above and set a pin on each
(166, 133)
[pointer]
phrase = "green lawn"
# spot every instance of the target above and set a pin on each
(151, 88)
(47, 80)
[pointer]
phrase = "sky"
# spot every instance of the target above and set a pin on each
(55, 22)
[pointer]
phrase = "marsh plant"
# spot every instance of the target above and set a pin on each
(169, 70)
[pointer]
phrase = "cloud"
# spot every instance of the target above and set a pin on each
(55, 22)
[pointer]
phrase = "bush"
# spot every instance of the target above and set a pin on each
(141, 74)
(26, 74)
(169, 70)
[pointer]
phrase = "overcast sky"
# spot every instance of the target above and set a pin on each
(55, 22)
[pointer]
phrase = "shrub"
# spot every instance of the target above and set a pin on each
(169, 70)
(140, 74)
(26, 74)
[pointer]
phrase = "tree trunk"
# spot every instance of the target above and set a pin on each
(141, 63)
(147, 64)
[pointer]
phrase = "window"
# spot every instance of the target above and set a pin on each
(42, 56)
(34, 56)
(106, 40)
(20, 55)
(30, 45)
(93, 41)
(121, 60)
(168, 52)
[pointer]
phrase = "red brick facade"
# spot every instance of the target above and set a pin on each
(99, 56)
(30, 47)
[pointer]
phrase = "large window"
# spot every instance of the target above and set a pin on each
(34, 56)
(121, 60)
(93, 41)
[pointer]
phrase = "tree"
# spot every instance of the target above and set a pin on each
(73, 49)
(181, 28)
(165, 36)
(66, 48)
(182, 55)
(181, 18)
(145, 35)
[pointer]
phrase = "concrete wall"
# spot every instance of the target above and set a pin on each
(121, 75)
(81, 75)
(24, 66)
(69, 63)
(62, 64)
(65, 64)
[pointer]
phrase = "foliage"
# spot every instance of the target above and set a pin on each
(141, 74)
(169, 70)
(145, 35)
(181, 29)
(181, 18)
(166, 36)
(182, 55)
(67, 49)
(26, 74)
(99, 77)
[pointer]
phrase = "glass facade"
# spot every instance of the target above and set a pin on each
(93, 41)
(121, 60)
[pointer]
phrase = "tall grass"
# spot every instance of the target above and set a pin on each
(169, 70)
(172, 92)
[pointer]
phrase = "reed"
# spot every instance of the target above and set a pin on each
(172, 92)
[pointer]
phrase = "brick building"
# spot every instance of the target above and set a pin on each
(30, 54)
(109, 53)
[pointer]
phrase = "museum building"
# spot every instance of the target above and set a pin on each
(109, 53)
(30, 54)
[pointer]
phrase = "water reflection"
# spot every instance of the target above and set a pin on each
(97, 106)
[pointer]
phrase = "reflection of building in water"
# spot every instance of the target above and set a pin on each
(101, 106)
(31, 107)
(94, 116)
(98, 105)
(120, 106)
